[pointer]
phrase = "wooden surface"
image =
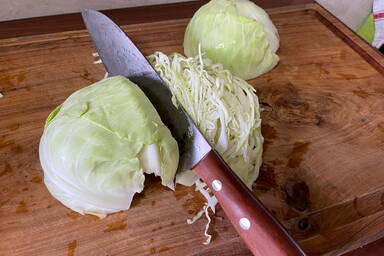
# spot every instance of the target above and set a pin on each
(322, 172)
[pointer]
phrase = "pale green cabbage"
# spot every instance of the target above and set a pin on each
(224, 107)
(98, 144)
(236, 33)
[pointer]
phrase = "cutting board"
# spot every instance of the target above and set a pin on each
(323, 168)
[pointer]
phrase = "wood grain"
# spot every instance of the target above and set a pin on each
(323, 125)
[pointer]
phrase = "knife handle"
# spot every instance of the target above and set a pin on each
(260, 230)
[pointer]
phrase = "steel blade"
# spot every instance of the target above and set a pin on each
(120, 56)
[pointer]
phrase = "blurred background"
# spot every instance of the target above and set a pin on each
(351, 12)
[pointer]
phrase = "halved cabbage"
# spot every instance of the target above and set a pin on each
(98, 144)
(236, 33)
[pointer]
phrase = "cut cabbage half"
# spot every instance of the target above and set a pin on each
(98, 144)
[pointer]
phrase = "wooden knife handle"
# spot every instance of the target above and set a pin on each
(260, 230)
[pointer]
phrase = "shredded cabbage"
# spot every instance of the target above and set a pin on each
(225, 108)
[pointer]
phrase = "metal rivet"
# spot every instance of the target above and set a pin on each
(245, 223)
(217, 185)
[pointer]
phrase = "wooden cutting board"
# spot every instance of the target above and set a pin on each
(323, 171)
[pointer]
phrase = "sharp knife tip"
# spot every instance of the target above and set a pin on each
(87, 12)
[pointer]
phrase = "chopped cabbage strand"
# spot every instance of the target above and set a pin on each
(208, 236)
(205, 211)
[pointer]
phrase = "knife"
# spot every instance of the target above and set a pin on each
(260, 230)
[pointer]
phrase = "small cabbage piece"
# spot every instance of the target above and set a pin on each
(97, 146)
(236, 33)
(223, 106)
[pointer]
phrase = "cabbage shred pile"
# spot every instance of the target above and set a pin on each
(223, 106)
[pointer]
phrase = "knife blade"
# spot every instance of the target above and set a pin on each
(263, 234)
(121, 57)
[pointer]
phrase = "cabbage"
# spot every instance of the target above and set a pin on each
(236, 33)
(224, 107)
(98, 144)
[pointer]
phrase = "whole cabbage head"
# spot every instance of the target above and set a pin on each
(97, 146)
(236, 33)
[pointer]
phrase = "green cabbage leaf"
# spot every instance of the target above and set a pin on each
(97, 146)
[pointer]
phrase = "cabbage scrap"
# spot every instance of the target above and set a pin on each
(97, 146)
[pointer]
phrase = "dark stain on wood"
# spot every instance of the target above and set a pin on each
(4, 202)
(296, 156)
(380, 126)
(91, 217)
(360, 93)
(163, 249)
(192, 201)
(49, 206)
(25, 189)
(5, 81)
(21, 207)
(321, 68)
(181, 193)
(346, 76)
(297, 194)
(156, 229)
(71, 248)
(21, 77)
(269, 133)
(276, 162)
(356, 207)
(118, 225)
(319, 120)
(87, 76)
(304, 224)
(151, 240)
(195, 203)
(12, 145)
(382, 199)
(14, 127)
(265, 107)
(304, 105)
(291, 214)
(16, 148)
(73, 215)
(7, 169)
(152, 250)
(36, 179)
(153, 203)
(267, 178)
(96, 58)
(137, 198)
